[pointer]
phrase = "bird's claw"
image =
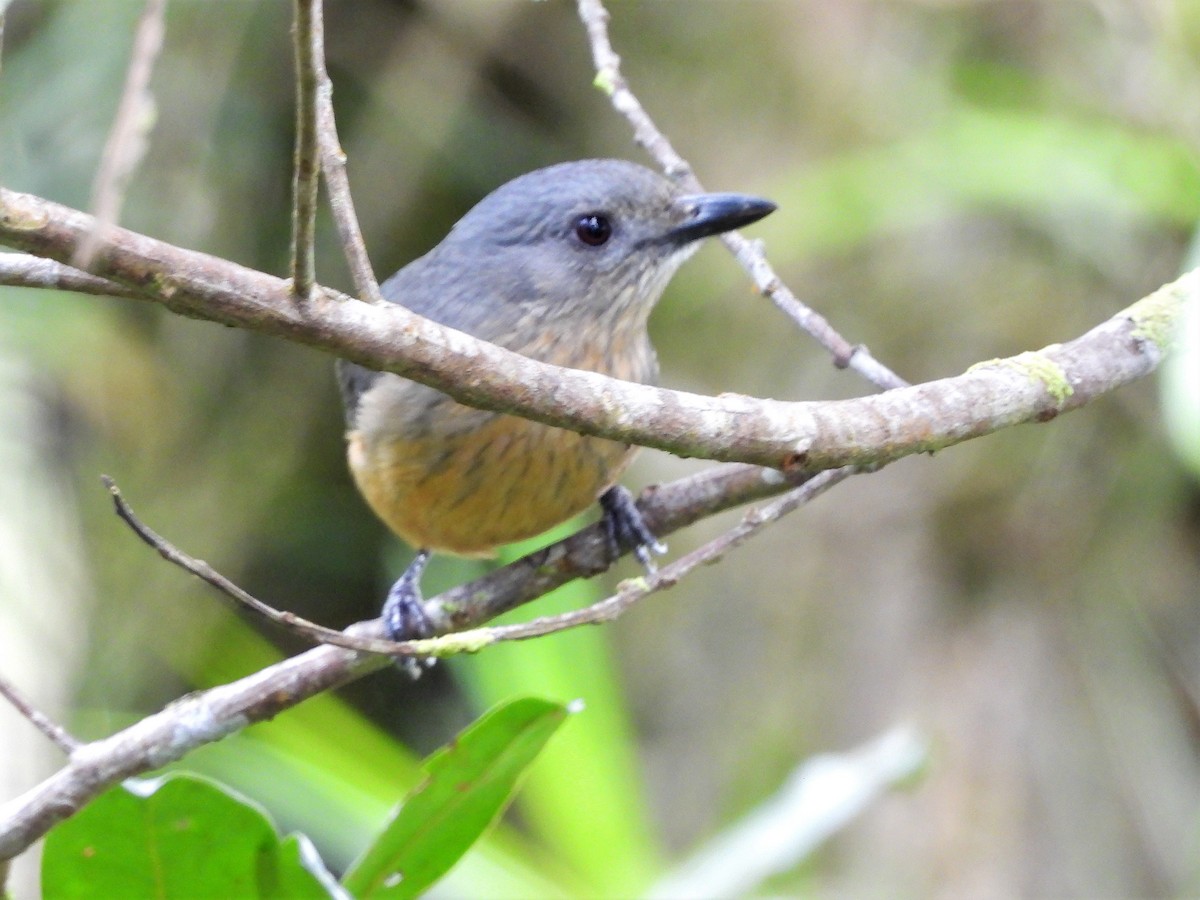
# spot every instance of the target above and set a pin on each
(624, 526)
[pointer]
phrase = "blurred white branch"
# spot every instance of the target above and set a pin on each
(129, 136)
(820, 797)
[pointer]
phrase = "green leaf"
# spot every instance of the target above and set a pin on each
(302, 872)
(467, 785)
(179, 836)
(595, 758)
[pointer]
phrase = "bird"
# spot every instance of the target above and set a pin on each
(563, 265)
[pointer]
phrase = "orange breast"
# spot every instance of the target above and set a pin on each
(468, 493)
(450, 478)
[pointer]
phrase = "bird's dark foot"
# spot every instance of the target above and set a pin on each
(625, 528)
(403, 615)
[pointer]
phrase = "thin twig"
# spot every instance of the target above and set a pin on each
(635, 589)
(26, 270)
(584, 554)
(333, 167)
(629, 593)
(202, 570)
(666, 508)
(306, 166)
(610, 80)
(58, 735)
(127, 140)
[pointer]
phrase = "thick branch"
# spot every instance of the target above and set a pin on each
(817, 435)
(169, 735)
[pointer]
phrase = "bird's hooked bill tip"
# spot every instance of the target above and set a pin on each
(710, 214)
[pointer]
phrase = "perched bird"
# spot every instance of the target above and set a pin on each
(563, 265)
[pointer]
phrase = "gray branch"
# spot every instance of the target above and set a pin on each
(1031, 387)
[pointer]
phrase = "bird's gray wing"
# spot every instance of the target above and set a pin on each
(354, 381)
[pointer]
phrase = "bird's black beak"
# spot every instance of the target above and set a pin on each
(709, 214)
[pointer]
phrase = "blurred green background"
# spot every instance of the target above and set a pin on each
(956, 180)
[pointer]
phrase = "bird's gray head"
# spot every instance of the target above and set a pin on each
(594, 241)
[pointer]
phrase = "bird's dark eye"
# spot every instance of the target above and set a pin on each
(593, 229)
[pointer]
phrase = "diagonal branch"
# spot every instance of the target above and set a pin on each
(190, 722)
(333, 167)
(57, 735)
(317, 634)
(749, 253)
(127, 140)
(665, 508)
(24, 270)
(635, 589)
(210, 715)
(813, 435)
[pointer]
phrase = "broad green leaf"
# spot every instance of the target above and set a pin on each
(335, 776)
(301, 872)
(595, 758)
(467, 784)
(178, 836)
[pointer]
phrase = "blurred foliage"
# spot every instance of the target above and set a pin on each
(958, 180)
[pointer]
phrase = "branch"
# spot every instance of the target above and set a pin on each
(57, 735)
(126, 144)
(749, 253)
(188, 723)
(24, 270)
(210, 715)
(786, 435)
(305, 169)
(635, 589)
(666, 509)
(333, 166)
(317, 634)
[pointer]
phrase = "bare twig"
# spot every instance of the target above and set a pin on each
(584, 554)
(610, 80)
(635, 589)
(127, 141)
(333, 166)
(202, 570)
(58, 735)
(305, 167)
(1031, 387)
(666, 508)
(24, 270)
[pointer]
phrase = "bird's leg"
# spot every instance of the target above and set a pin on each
(403, 613)
(404, 609)
(625, 527)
